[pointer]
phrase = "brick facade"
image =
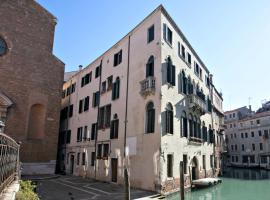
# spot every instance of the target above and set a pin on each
(30, 75)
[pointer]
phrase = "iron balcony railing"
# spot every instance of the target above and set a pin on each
(196, 104)
(9, 161)
(148, 86)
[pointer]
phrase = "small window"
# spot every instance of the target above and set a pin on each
(258, 122)
(97, 72)
(103, 87)
(252, 134)
(78, 158)
(116, 89)
(189, 58)
(81, 106)
(260, 133)
(243, 147)
(83, 158)
(110, 82)
(105, 150)
(150, 118)
(169, 165)
(85, 133)
(169, 119)
(86, 103)
(150, 67)
(93, 131)
(117, 58)
(170, 72)
(183, 52)
(246, 135)
(93, 158)
(167, 34)
(99, 152)
(95, 101)
(253, 147)
(79, 134)
(151, 34)
(114, 127)
(261, 146)
(70, 114)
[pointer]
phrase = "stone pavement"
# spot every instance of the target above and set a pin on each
(77, 188)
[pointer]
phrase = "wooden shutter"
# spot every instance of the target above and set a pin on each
(165, 32)
(173, 75)
(163, 123)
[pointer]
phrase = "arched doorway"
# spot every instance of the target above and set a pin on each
(194, 168)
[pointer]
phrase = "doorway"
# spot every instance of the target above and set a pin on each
(195, 170)
(71, 164)
(114, 163)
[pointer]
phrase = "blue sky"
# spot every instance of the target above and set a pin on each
(231, 37)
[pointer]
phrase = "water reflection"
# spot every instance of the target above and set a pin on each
(247, 174)
(237, 183)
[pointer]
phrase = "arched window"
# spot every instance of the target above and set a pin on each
(150, 67)
(190, 86)
(190, 124)
(114, 127)
(150, 118)
(36, 122)
(169, 118)
(195, 127)
(204, 128)
(199, 129)
(116, 89)
(184, 125)
(170, 72)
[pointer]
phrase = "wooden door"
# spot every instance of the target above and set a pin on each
(71, 164)
(114, 169)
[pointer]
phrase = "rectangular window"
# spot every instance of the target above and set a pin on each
(70, 114)
(79, 134)
(243, 147)
(265, 134)
(179, 49)
(258, 122)
(68, 136)
(78, 158)
(185, 163)
(95, 101)
(104, 117)
(93, 131)
(114, 129)
(253, 147)
(167, 34)
(81, 106)
(82, 81)
(211, 161)
(242, 135)
(235, 147)
(93, 158)
(183, 52)
(246, 135)
(83, 158)
(252, 134)
(110, 82)
(117, 58)
(86, 103)
(103, 87)
(189, 58)
(85, 133)
(261, 146)
(260, 133)
(97, 72)
(105, 150)
(169, 165)
(151, 34)
(73, 87)
(99, 152)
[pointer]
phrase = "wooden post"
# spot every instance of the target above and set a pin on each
(182, 184)
(127, 185)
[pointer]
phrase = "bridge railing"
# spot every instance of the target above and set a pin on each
(9, 161)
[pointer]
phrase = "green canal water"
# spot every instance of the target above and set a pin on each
(237, 184)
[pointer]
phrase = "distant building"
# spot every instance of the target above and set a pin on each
(150, 97)
(31, 78)
(247, 137)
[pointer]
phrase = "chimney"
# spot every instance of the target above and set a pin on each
(80, 67)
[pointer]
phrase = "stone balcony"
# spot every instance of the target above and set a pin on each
(196, 104)
(148, 86)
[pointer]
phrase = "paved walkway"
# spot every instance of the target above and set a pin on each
(77, 188)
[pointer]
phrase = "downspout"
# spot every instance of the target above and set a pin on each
(96, 134)
(126, 109)
(212, 122)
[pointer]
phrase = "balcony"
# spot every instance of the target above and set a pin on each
(148, 86)
(195, 141)
(196, 104)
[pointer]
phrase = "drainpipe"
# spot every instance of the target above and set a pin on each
(212, 121)
(96, 134)
(127, 186)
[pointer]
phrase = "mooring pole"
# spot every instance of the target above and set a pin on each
(182, 184)
(127, 185)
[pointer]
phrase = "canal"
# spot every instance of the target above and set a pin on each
(237, 184)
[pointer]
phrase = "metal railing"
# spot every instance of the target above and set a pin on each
(196, 103)
(148, 86)
(9, 161)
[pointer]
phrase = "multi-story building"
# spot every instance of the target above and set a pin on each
(247, 137)
(31, 79)
(144, 104)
